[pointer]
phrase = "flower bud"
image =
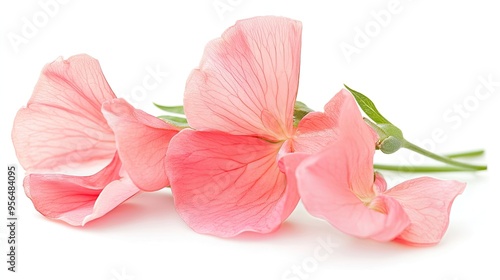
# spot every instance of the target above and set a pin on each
(389, 145)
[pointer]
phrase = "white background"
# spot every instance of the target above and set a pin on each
(420, 68)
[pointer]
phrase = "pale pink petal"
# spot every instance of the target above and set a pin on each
(427, 202)
(78, 199)
(380, 185)
(356, 140)
(335, 108)
(317, 130)
(142, 141)
(325, 183)
(247, 80)
(288, 163)
(114, 194)
(396, 218)
(224, 184)
(77, 80)
(62, 127)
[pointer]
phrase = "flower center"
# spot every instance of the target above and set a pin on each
(374, 203)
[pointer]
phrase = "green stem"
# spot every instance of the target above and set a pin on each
(447, 160)
(476, 153)
(429, 169)
(416, 169)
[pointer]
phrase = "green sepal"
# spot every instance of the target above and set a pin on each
(174, 120)
(368, 107)
(171, 109)
(299, 112)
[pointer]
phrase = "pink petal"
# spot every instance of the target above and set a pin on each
(326, 181)
(356, 140)
(288, 163)
(77, 200)
(224, 184)
(247, 80)
(114, 194)
(380, 185)
(336, 107)
(142, 141)
(317, 130)
(62, 127)
(427, 201)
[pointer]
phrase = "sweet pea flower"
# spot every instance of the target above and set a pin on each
(74, 126)
(227, 173)
(338, 184)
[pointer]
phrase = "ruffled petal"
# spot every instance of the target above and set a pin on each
(357, 145)
(288, 164)
(77, 200)
(247, 80)
(62, 128)
(380, 185)
(114, 194)
(341, 115)
(325, 183)
(315, 132)
(427, 202)
(142, 141)
(224, 184)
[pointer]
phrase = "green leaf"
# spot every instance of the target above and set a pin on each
(301, 106)
(368, 107)
(174, 120)
(299, 112)
(171, 109)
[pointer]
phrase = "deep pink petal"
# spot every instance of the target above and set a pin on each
(325, 182)
(142, 141)
(62, 127)
(59, 197)
(79, 199)
(224, 184)
(427, 202)
(247, 80)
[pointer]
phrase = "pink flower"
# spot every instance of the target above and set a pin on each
(339, 185)
(85, 151)
(225, 172)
